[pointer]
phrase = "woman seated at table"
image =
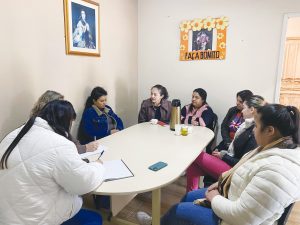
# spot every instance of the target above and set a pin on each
(49, 96)
(157, 106)
(259, 187)
(233, 119)
(198, 113)
(41, 173)
(98, 119)
(220, 161)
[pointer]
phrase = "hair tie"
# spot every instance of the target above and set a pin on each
(290, 110)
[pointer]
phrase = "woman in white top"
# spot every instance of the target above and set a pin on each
(41, 173)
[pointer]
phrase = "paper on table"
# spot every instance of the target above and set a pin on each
(116, 169)
(99, 150)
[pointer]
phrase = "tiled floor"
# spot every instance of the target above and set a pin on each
(170, 195)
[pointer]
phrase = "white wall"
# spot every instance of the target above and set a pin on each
(33, 59)
(293, 27)
(253, 42)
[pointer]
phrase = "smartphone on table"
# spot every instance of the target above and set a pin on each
(157, 166)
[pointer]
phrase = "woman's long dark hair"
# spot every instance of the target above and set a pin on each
(244, 94)
(58, 113)
(284, 118)
(96, 93)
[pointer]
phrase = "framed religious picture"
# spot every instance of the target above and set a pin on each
(82, 27)
(203, 39)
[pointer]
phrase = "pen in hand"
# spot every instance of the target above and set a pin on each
(87, 160)
(99, 160)
(100, 154)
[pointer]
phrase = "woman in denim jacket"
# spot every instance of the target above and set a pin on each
(98, 119)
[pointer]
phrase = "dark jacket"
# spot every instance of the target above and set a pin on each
(225, 125)
(147, 111)
(242, 144)
(94, 125)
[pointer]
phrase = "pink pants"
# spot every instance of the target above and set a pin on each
(205, 164)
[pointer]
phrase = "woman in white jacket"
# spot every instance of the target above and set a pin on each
(41, 173)
(257, 189)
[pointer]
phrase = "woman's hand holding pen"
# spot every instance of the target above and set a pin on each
(99, 160)
(92, 146)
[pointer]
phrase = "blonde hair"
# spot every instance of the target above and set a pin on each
(48, 96)
(255, 101)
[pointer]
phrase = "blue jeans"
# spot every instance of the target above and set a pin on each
(85, 217)
(186, 213)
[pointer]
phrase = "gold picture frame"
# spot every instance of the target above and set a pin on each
(82, 27)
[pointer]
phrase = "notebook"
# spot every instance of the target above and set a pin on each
(116, 169)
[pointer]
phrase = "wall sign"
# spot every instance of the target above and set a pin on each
(203, 39)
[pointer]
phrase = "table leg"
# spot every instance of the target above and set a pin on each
(156, 196)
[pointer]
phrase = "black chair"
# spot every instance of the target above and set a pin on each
(207, 180)
(214, 127)
(284, 217)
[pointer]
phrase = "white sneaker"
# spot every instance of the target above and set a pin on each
(144, 218)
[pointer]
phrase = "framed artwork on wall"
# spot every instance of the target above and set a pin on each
(82, 29)
(203, 39)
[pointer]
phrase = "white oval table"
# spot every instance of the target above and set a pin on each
(144, 144)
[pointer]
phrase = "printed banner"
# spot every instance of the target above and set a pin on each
(203, 39)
